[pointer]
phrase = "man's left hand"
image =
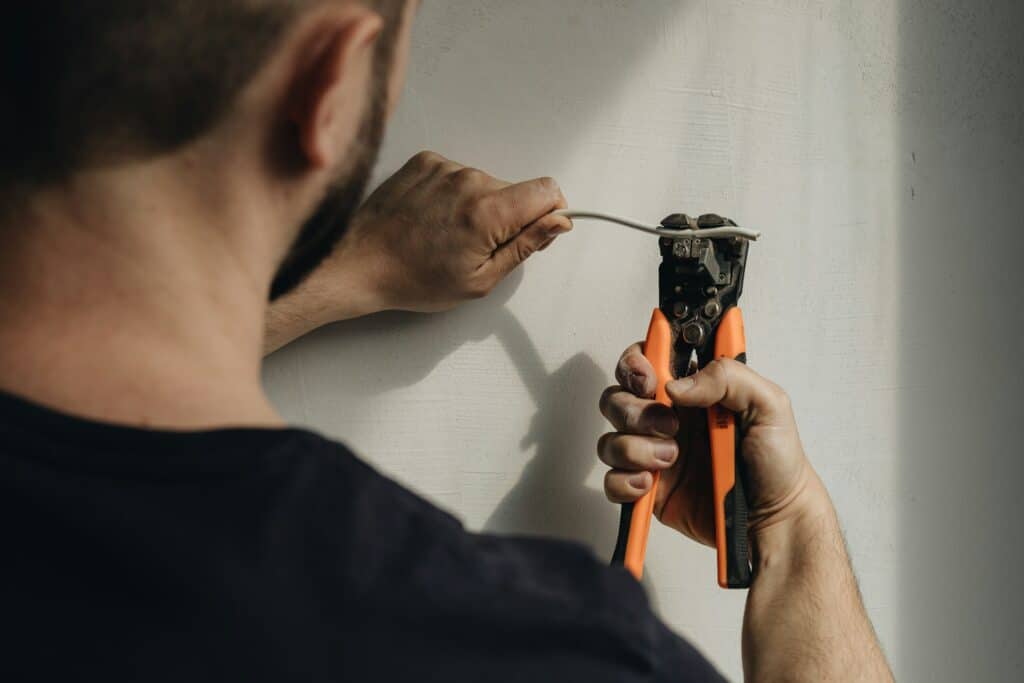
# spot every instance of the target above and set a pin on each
(433, 235)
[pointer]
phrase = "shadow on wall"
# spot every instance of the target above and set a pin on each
(962, 170)
(359, 361)
(550, 498)
(387, 351)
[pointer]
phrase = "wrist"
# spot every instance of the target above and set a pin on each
(340, 289)
(800, 536)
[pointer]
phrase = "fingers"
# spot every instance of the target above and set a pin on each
(537, 236)
(424, 167)
(517, 217)
(635, 372)
(733, 385)
(626, 487)
(492, 226)
(636, 453)
(632, 415)
(523, 204)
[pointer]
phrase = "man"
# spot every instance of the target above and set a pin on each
(168, 166)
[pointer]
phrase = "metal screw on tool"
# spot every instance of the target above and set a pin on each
(693, 333)
(712, 309)
(680, 310)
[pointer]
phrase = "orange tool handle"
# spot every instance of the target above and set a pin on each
(730, 502)
(635, 521)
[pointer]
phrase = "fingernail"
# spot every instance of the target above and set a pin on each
(665, 424)
(665, 452)
(639, 481)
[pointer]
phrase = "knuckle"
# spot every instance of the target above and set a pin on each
(523, 250)
(632, 417)
(613, 487)
(604, 403)
(549, 185)
(425, 159)
(466, 176)
(446, 168)
(627, 363)
(632, 374)
(618, 450)
(481, 210)
(622, 371)
(716, 372)
(779, 397)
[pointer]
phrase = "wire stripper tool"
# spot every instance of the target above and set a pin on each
(700, 281)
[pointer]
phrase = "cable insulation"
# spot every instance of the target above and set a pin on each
(725, 231)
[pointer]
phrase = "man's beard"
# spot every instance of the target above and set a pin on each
(324, 229)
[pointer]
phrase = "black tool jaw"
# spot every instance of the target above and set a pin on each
(699, 280)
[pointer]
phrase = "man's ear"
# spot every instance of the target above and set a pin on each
(333, 80)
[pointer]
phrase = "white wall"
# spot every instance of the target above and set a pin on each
(791, 116)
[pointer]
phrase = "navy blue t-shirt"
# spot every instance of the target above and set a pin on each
(277, 555)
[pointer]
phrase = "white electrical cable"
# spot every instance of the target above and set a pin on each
(725, 231)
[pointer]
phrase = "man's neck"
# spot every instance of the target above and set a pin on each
(128, 296)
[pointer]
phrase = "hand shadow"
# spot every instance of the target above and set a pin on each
(396, 349)
(393, 349)
(551, 497)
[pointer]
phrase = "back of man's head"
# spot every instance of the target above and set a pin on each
(87, 82)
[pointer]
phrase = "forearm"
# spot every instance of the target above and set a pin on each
(320, 300)
(805, 620)
(285, 322)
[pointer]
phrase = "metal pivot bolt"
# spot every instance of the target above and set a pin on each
(693, 333)
(680, 310)
(712, 309)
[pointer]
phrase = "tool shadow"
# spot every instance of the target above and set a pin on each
(551, 498)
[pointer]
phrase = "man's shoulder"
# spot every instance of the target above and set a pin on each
(330, 468)
(415, 567)
(373, 511)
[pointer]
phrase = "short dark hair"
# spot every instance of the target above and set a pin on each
(85, 81)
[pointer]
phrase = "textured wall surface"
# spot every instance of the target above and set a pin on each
(877, 144)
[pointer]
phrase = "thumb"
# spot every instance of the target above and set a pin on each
(530, 239)
(736, 387)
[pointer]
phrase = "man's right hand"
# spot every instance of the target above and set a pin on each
(782, 485)
(804, 618)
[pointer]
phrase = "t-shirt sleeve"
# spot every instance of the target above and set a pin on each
(468, 606)
(600, 614)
